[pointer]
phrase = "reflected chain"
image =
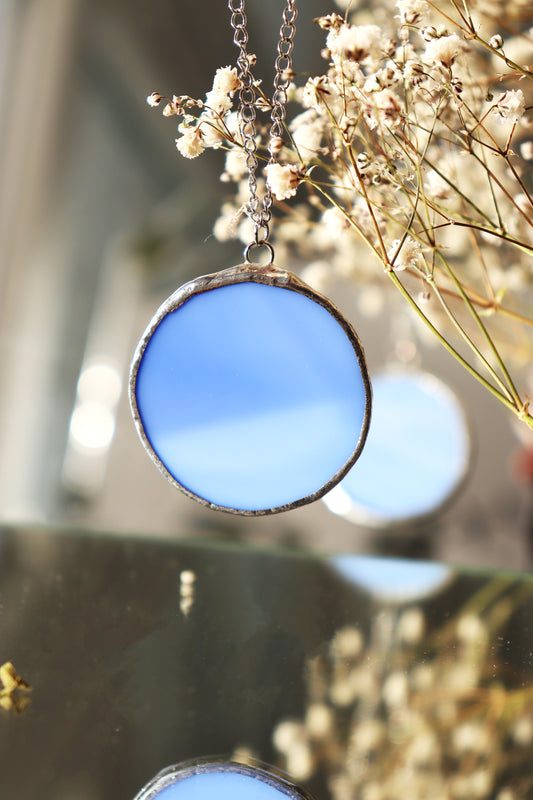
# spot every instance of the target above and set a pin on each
(261, 213)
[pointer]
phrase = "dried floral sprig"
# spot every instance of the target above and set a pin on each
(412, 150)
(401, 710)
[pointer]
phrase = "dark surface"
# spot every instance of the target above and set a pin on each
(124, 684)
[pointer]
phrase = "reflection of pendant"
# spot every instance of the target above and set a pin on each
(216, 779)
(250, 391)
(416, 457)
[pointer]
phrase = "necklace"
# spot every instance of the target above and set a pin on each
(249, 390)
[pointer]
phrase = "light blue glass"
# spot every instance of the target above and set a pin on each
(392, 579)
(252, 396)
(416, 455)
(219, 781)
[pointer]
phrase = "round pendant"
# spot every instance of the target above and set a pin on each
(250, 391)
(219, 780)
(416, 457)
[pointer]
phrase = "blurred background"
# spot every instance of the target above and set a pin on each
(100, 221)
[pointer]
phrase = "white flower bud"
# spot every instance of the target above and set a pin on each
(496, 41)
(428, 33)
(190, 143)
(276, 145)
(154, 99)
(283, 180)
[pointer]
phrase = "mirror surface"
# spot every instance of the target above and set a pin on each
(144, 654)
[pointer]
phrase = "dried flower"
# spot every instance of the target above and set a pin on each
(510, 106)
(330, 22)
(405, 255)
(411, 625)
(442, 51)
(423, 734)
(190, 144)
(496, 41)
(319, 720)
(395, 689)
(347, 643)
(283, 180)
(316, 92)
(154, 99)
(526, 150)
(411, 10)
(173, 107)
(522, 731)
(355, 43)
(225, 83)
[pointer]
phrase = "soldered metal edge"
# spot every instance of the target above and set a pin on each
(271, 276)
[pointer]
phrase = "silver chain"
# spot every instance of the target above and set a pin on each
(261, 213)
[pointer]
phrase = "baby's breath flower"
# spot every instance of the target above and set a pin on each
(510, 106)
(287, 734)
(395, 689)
(423, 749)
(276, 145)
(411, 10)
(347, 643)
(384, 109)
(526, 150)
(218, 102)
(307, 131)
(471, 737)
(212, 135)
(411, 625)
(319, 720)
(226, 81)
(471, 629)
(225, 228)
(428, 33)
(414, 72)
(355, 42)
(299, 761)
(496, 41)
(342, 692)
(423, 677)
(409, 256)
(173, 107)
(283, 180)
(315, 92)
(190, 144)
(318, 275)
(154, 99)
(235, 165)
(367, 735)
(506, 794)
(330, 22)
(442, 51)
(522, 731)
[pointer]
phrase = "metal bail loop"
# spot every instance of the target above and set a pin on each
(259, 244)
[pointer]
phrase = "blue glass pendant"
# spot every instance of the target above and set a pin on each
(219, 780)
(416, 457)
(250, 391)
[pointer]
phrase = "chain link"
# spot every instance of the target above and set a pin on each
(261, 213)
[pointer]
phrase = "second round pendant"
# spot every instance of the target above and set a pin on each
(250, 391)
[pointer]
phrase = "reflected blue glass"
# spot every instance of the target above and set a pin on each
(219, 781)
(416, 455)
(392, 579)
(251, 396)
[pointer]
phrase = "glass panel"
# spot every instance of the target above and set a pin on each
(251, 393)
(142, 655)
